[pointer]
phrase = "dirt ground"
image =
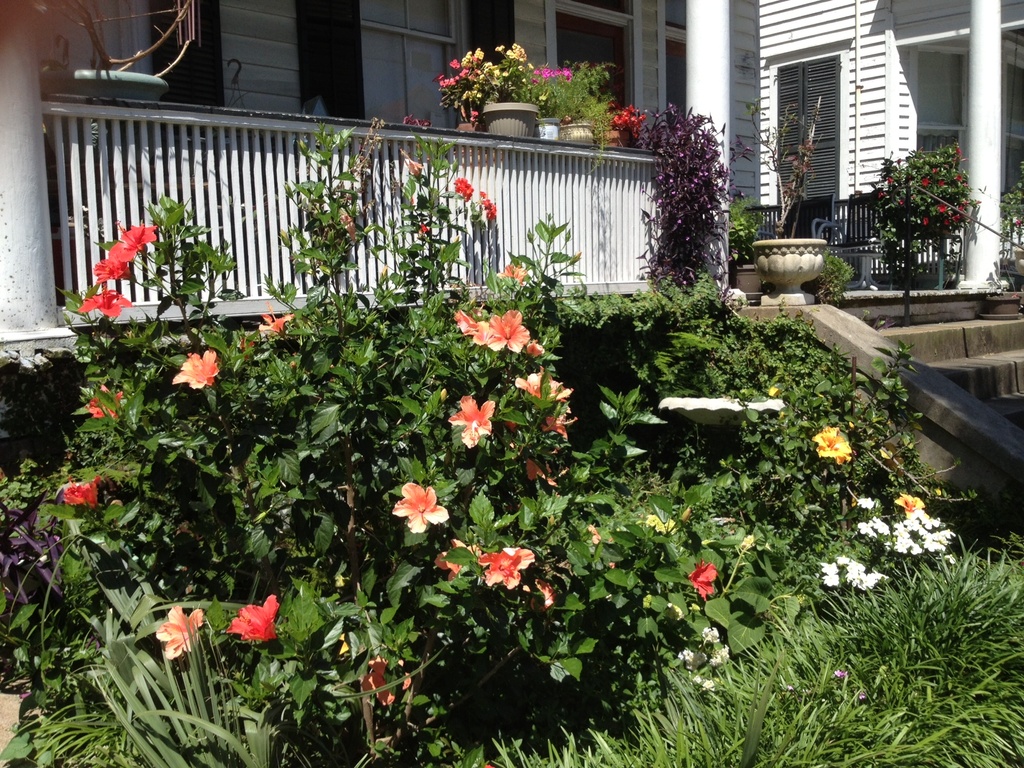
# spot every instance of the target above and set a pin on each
(9, 704)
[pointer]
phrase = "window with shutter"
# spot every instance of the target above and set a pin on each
(196, 79)
(330, 55)
(810, 91)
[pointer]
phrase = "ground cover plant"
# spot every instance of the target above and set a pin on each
(400, 529)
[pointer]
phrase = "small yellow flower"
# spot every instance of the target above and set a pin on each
(747, 543)
(773, 391)
(675, 610)
(832, 445)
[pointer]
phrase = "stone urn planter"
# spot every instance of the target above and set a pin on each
(578, 133)
(787, 264)
(1018, 255)
(1005, 306)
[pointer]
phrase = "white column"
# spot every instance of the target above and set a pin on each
(27, 288)
(709, 72)
(984, 141)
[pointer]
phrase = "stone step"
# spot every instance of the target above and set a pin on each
(938, 342)
(1011, 407)
(988, 376)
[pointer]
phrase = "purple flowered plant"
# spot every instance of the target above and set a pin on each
(29, 556)
(690, 185)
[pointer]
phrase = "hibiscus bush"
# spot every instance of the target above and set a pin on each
(380, 498)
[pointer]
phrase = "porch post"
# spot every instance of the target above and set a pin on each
(709, 80)
(27, 289)
(984, 141)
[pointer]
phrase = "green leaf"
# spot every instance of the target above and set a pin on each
(403, 576)
(719, 610)
(481, 511)
(565, 667)
(301, 687)
(325, 422)
(620, 577)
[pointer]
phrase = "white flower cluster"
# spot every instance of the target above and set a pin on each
(916, 534)
(714, 654)
(856, 574)
(706, 683)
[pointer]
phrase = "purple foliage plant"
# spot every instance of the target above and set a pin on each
(690, 192)
(29, 556)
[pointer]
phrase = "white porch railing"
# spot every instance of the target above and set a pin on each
(110, 163)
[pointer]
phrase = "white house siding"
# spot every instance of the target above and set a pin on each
(745, 82)
(892, 32)
(261, 35)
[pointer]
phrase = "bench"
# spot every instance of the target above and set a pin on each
(856, 240)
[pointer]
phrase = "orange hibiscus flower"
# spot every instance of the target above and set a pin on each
(832, 445)
(177, 632)
(504, 331)
(453, 568)
(272, 324)
(420, 506)
(83, 494)
(506, 567)
(476, 420)
(256, 622)
(533, 385)
(909, 504)
(466, 323)
(198, 372)
(515, 271)
(547, 593)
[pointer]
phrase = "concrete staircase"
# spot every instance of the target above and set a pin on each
(984, 357)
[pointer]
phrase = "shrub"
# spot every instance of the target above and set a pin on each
(690, 185)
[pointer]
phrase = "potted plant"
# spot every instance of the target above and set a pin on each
(1012, 225)
(546, 84)
(625, 125)
(580, 102)
(508, 88)
(787, 262)
(109, 75)
(940, 199)
(743, 226)
(463, 90)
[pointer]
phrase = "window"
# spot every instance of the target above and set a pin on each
(406, 44)
(675, 52)
(940, 99)
(329, 55)
(196, 79)
(809, 90)
(584, 39)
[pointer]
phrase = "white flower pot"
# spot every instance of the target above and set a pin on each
(787, 264)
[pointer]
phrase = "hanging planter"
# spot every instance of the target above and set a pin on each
(104, 84)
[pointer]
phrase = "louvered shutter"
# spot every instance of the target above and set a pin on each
(821, 92)
(197, 78)
(804, 88)
(491, 23)
(330, 55)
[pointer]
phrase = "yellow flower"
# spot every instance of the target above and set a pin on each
(832, 445)
(747, 543)
(773, 391)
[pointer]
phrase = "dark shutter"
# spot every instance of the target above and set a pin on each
(821, 92)
(197, 78)
(805, 90)
(330, 55)
(491, 23)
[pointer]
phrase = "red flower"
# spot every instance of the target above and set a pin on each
(464, 188)
(110, 269)
(925, 182)
(490, 209)
(547, 593)
(703, 578)
(97, 410)
(135, 239)
(110, 303)
(255, 622)
(85, 494)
